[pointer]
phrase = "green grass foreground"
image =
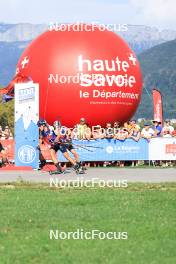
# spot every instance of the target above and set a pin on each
(146, 211)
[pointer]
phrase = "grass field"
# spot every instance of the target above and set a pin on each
(146, 212)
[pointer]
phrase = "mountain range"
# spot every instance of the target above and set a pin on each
(158, 66)
(155, 49)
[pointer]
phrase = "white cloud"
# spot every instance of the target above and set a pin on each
(150, 12)
(68, 10)
(157, 12)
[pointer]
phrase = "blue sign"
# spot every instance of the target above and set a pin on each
(26, 142)
(110, 150)
(26, 94)
(26, 154)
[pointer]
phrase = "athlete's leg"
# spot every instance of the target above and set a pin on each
(67, 156)
(75, 164)
(75, 154)
(65, 150)
(42, 159)
(53, 152)
(53, 156)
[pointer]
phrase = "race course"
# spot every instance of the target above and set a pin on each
(143, 175)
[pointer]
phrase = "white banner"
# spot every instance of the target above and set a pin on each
(27, 102)
(162, 149)
(26, 129)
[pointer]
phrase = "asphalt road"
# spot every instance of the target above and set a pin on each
(95, 174)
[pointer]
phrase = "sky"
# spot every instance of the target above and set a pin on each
(159, 13)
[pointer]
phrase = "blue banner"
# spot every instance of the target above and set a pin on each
(26, 142)
(110, 150)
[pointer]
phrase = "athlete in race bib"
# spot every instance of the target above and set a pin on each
(44, 136)
(61, 140)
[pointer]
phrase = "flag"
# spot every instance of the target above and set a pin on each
(157, 105)
(6, 98)
(9, 90)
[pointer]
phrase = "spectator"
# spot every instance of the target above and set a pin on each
(148, 132)
(1, 132)
(157, 127)
(98, 133)
(174, 133)
(132, 124)
(167, 129)
(74, 133)
(83, 130)
(126, 126)
(121, 134)
(135, 133)
(116, 126)
(3, 153)
(109, 131)
(166, 133)
(7, 133)
(88, 133)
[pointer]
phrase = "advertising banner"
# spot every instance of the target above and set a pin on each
(26, 129)
(110, 150)
(162, 149)
(107, 150)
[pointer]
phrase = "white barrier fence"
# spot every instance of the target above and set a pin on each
(162, 149)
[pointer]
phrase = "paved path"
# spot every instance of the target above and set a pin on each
(106, 174)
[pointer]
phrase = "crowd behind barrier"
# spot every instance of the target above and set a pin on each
(110, 138)
(130, 129)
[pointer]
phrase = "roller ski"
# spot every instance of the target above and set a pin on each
(78, 168)
(58, 170)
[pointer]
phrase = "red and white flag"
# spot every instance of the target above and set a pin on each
(157, 105)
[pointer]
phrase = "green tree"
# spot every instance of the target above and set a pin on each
(7, 114)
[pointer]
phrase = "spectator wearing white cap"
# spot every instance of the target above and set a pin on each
(148, 132)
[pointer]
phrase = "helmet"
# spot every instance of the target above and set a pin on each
(57, 124)
(41, 122)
